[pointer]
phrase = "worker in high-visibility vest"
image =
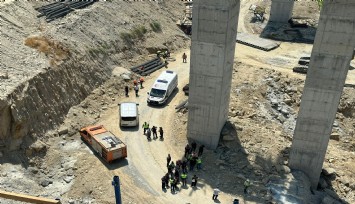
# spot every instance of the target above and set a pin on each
(145, 126)
(199, 163)
(183, 178)
(246, 186)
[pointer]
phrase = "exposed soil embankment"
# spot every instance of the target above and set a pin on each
(58, 64)
(41, 103)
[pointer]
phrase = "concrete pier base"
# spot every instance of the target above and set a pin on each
(212, 54)
(281, 10)
(331, 55)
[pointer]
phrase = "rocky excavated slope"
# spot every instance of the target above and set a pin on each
(46, 68)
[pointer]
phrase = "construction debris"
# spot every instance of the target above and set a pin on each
(149, 67)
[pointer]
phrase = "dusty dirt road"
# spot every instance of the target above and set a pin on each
(147, 159)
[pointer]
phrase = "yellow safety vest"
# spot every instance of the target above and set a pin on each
(199, 161)
(183, 176)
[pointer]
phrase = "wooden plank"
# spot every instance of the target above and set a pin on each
(27, 198)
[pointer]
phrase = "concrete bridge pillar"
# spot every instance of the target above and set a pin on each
(281, 10)
(332, 52)
(214, 26)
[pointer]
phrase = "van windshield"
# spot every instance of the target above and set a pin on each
(157, 93)
(129, 118)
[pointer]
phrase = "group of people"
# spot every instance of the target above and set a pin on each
(135, 86)
(178, 171)
(149, 131)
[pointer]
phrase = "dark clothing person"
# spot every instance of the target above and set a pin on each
(141, 80)
(193, 146)
(126, 90)
(194, 181)
(187, 150)
(168, 159)
(184, 166)
(192, 164)
(154, 130)
(200, 150)
(167, 180)
(148, 134)
(163, 183)
(184, 57)
(177, 175)
(178, 164)
(161, 132)
(172, 185)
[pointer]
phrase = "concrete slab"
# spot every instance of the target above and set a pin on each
(256, 42)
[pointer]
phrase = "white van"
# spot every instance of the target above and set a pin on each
(162, 88)
(128, 113)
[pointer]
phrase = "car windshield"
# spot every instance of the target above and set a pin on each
(157, 93)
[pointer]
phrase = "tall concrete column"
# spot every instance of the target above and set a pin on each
(214, 28)
(281, 10)
(332, 52)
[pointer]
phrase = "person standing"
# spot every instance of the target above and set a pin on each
(200, 150)
(168, 159)
(184, 166)
(145, 127)
(126, 90)
(187, 150)
(148, 134)
(177, 175)
(163, 183)
(141, 80)
(154, 131)
(184, 57)
(167, 180)
(194, 181)
(246, 186)
(193, 146)
(161, 132)
(199, 163)
(215, 193)
(136, 89)
(172, 186)
(192, 164)
(183, 178)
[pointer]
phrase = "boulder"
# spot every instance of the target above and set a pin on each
(46, 182)
(328, 171)
(63, 131)
(335, 136)
(38, 146)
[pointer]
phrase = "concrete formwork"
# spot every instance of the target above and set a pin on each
(331, 55)
(212, 55)
(281, 10)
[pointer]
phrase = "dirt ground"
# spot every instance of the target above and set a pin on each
(265, 98)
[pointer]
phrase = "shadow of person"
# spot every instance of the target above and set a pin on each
(216, 201)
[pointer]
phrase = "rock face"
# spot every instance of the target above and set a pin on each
(42, 102)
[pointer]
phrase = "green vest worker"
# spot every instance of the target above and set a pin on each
(199, 162)
(183, 178)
